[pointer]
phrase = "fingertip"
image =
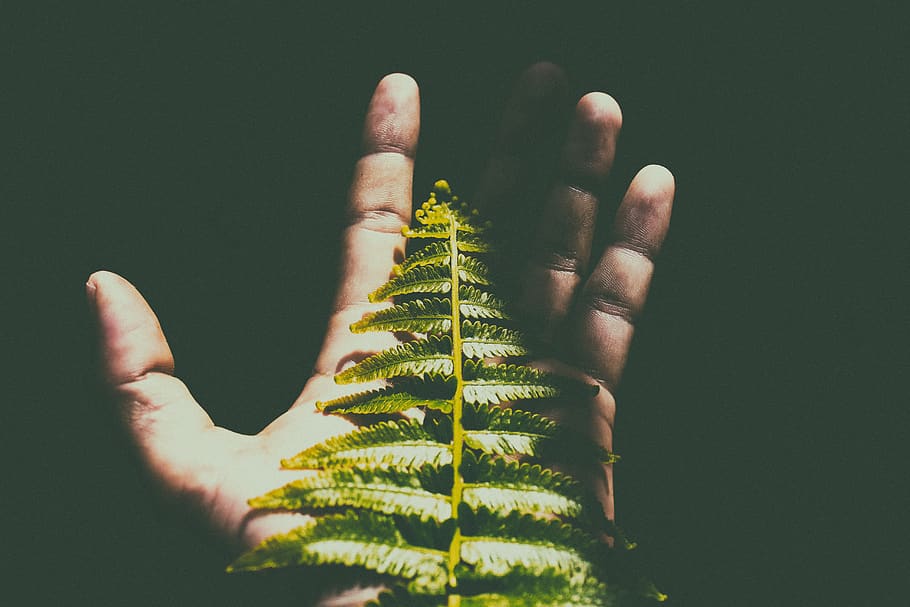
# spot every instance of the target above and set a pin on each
(103, 285)
(543, 79)
(397, 83)
(91, 283)
(94, 281)
(545, 68)
(131, 339)
(655, 183)
(105, 278)
(393, 118)
(643, 218)
(591, 146)
(90, 290)
(599, 108)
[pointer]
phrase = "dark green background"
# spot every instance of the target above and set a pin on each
(204, 151)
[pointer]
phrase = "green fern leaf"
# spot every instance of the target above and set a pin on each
(511, 431)
(432, 279)
(419, 357)
(470, 243)
(493, 384)
(400, 443)
(422, 279)
(524, 590)
(389, 491)
(506, 431)
(519, 589)
(434, 254)
(512, 486)
(496, 545)
(471, 269)
(428, 231)
(497, 555)
(439, 254)
(493, 484)
(386, 400)
(440, 230)
(480, 339)
(408, 443)
(354, 538)
(432, 315)
(475, 303)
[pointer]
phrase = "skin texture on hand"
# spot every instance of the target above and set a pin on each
(585, 309)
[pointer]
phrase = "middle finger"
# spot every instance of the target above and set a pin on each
(562, 243)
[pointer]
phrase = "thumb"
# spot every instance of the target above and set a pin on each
(158, 411)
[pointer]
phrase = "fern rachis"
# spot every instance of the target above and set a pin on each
(455, 509)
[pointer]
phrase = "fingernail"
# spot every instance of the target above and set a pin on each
(90, 291)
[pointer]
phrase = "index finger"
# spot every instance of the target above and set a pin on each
(379, 201)
(379, 204)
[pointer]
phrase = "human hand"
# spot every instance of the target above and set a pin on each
(214, 471)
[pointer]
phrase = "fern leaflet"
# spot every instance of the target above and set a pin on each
(420, 357)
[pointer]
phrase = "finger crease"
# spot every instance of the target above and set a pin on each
(347, 306)
(637, 246)
(382, 221)
(560, 261)
(611, 306)
(581, 184)
(389, 147)
(147, 373)
(580, 189)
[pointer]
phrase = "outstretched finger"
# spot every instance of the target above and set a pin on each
(379, 201)
(615, 293)
(531, 125)
(562, 247)
(379, 205)
(159, 414)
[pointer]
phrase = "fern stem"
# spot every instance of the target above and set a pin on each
(457, 405)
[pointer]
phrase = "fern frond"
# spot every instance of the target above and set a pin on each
(439, 254)
(493, 384)
(431, 315)
(422, 279)
(428, 231)
(386, 490)
(496, 545)
(496, 555)
(354, 538)
(400, 443)
(518, 589)
(471, 269)
(521, 589)
(495, 484)
(470, 243)
(419, 357)
(434, 217)
(474, 303)
(386, 400)
(432, 279)
(531, 489)
(480, 339)
(453, 506)
(501, 431)
(434, 254)
(506, 431)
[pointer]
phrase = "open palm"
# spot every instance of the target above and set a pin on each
(585, 312)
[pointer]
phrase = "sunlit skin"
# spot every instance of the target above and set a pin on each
(585, 307)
